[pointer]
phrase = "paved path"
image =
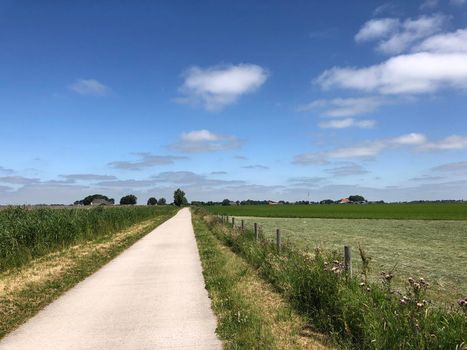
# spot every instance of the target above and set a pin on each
(151, 296)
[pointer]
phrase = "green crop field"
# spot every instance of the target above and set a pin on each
(428, 211)
(27, 233)
(433, 249)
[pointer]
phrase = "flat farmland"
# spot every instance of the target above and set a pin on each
(422, 211)
(433, 249)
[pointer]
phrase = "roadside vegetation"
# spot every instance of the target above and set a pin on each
(421, 211)
(355, 312)
(40, 279)
(26, 233)
(251, 314)
(433, 249)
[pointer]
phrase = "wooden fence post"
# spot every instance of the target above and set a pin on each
(226, 219)
(233, 222)
(348, 260)
(278, 240)
(243, 225)
(256, 231)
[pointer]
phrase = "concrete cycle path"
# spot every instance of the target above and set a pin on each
(151, 296)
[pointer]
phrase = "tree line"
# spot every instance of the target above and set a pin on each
(131, 199)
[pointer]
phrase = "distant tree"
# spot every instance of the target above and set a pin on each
(162, 201)
(326, 201)
(128, 200)
(226, 202)
(152, 201)
(179, 198)
(356, 198)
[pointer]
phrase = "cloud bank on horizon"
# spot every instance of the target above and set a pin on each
(237, 109)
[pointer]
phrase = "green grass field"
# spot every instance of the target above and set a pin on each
(28, 233)
(354, 315)
(433, 249)
(435, 211)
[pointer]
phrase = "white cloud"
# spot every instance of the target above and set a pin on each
(89, 87)
(345, 107)
(412, 73)
(87, 177)
(451, 167)
(347, 123)
(395, 36)
(6, 170)
(199, 135)
(429, 4)
(347, 169)
(457, 2)
(256, 167)
(416, 141)
(453, 142)
(409, 139)
(217, 87)
(445, 43)
(376, 29)
(18, 180)
(147, 160)
(367, 150)
(202, 141)
(388, 7)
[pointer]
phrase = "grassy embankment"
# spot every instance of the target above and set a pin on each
(355, 313)
(251, 314)
(433, 249)
(428, 211)
(45, 252)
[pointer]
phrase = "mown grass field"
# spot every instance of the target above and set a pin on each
(429, 211)
(433, 249)
(355, 315)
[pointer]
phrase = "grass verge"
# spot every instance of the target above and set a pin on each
(357, 314)
(27, 289)
(251, 315)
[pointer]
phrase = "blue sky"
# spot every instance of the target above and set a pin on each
(246, 99)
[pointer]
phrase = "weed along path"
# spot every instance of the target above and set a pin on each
(151, 296)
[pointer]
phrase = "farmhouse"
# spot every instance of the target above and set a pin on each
(101, 201)
(344, 201)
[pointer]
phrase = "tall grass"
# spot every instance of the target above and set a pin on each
(358, 315)
(29, 233)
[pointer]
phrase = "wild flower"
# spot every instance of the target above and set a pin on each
(462, 302)
(387, 276)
